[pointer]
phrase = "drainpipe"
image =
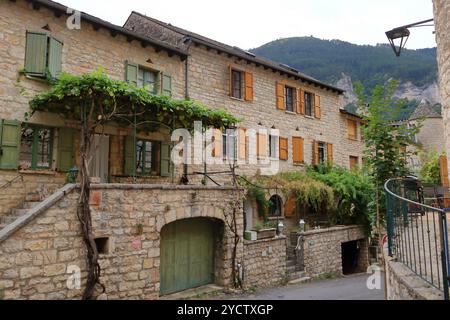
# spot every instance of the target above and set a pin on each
(187, 42)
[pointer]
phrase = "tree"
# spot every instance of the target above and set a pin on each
(386, 143)
(430, 170)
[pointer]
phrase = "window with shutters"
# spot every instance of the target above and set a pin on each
(289, 98)
(36, 147)
(352, 129)
(354, 162)
(309, 102)
(154, 81)
(147, 79)
(237, 84)
(147, 157)
(43, 55)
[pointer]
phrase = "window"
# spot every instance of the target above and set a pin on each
(147, 155)
(42, 55)
(102, 245)
(273, 145)
(289, 98)
(275, 206)
(236, 84)
(229, 144)
(36, 147)
(322, 152)
(147, 79)
(352, 129)
(309, 102)
(354, 162)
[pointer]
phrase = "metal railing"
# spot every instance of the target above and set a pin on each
(417, 233)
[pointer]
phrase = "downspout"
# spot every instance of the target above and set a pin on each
(187, 42)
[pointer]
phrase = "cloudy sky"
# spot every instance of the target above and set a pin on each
(251, 23)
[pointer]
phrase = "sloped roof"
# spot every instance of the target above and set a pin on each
(424, 110)
(137, 19)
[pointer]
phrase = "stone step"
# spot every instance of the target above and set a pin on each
(33, 197)
(30, 204)
(290, 263)
(8, 219)
(18, 212)
(300, 280)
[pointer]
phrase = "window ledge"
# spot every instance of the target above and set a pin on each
(237, 99)
(309, 117)
(36, 171)
(299, 164)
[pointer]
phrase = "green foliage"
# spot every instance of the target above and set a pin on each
(124, 101)
(265, 225)
(430, 170)
(326, 60)
(260, 195)
(386, 150)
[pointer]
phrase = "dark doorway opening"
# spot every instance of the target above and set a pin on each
(350, 257)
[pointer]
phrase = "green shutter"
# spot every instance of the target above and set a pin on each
(36, 53)
(10, 140)
(66, 152)
(166, 85)
(54, 58)
(131, 72)
(129, 155)
(165, 159)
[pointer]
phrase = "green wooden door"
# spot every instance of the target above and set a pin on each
(187, 256)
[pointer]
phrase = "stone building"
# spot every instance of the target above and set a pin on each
(146, 224)
(441, 20)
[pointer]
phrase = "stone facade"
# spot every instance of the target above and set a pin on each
(442, 24)
(263, 258)
(36, 258)
(322, 249)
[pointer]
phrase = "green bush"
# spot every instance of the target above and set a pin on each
(430, 171)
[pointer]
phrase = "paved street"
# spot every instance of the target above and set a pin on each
(347, 288)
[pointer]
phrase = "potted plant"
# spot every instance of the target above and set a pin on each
(266, 230)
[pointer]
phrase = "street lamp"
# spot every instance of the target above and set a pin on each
(399, 36)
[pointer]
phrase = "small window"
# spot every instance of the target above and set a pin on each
(273, 146)
(147, 79)
(102, 245)
(237, 84)
(352, 129)
(322, 152)
(309, 101)
(147, 155)
(36, 147)
(275, 206)
(229, 144)
(289, 97)
(354, 162)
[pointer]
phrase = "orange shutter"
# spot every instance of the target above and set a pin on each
(242, 143)
(317, 112)
(444, 171)
(315, 153)
(330, 153)
(261, 145)
(281, 105)
(297, 150)
(284, 152)
(248, 86)
(217, 147)
(300, 101)
(289, 207)
(352, 129)
(354, 161)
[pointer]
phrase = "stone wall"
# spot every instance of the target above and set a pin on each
(34, 260)
(264, 262)
(442, 25)
(404, 284)
(322, 249)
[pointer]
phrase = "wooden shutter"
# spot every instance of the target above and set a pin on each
(248, 86)
(317, 112)
(289, 207)
(315, 153)
(131, 72)
(281, 105)
(352, 129)
(129, 156)
(330, 153)
(443, 164)
(36, 53)
(242, 143)
(166, 86)
(55, 58)
(10, 132)
(284, 152)
(300, 101)
(66, 154)
(217, 147)
(297, 150)
(261, 145)
(165, 160)
(354, 162)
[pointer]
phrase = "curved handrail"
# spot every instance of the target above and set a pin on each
(408, 200)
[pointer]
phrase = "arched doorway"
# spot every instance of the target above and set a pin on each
(187, 254)
(276, 205)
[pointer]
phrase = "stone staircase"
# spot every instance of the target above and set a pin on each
(293, 269)
(31, 200)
